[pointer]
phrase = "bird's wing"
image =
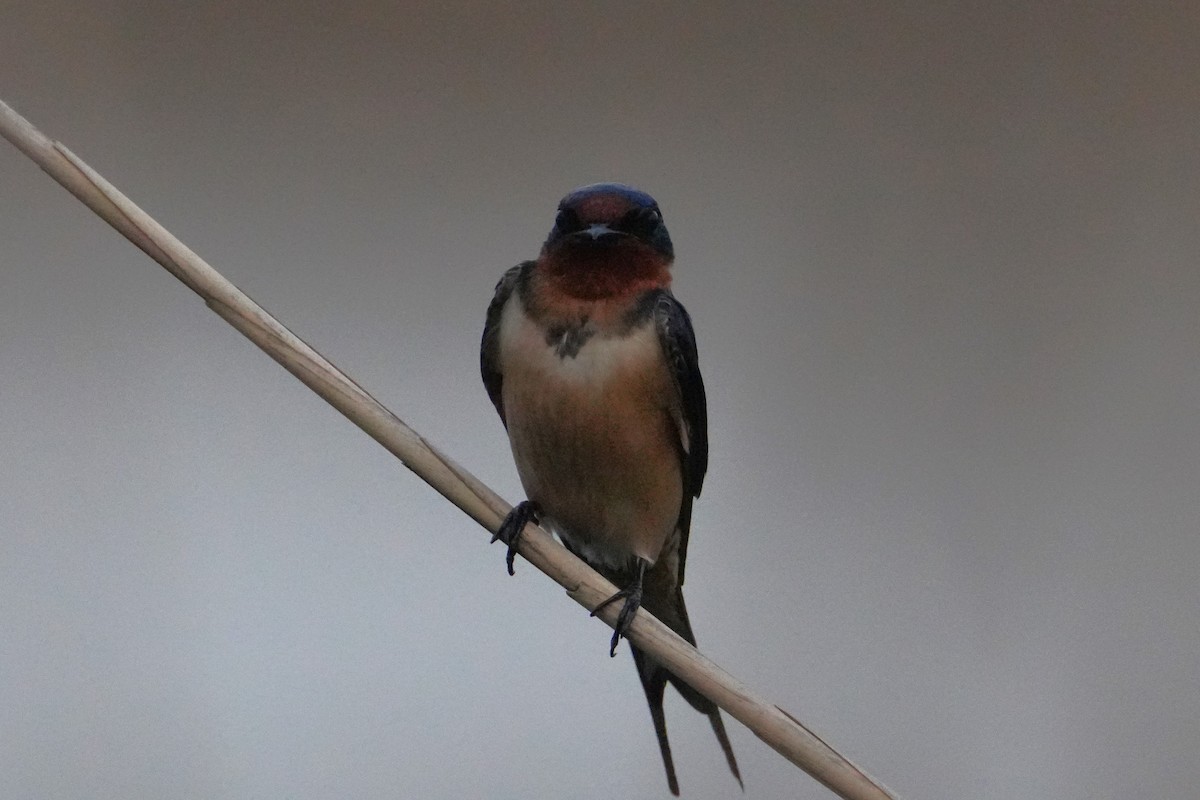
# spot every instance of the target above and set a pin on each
(679, 344)
(678, 341)
(489, 347)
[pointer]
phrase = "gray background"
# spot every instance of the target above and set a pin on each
(943, 267)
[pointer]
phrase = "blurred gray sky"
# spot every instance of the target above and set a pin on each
(943, 266)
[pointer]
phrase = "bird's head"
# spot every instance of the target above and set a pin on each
(608, 240)
(606, 215)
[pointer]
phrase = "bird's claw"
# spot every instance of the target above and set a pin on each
(510, 529)
(632, 594)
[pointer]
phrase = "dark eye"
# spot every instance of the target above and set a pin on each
(651, 216)
(567, 221)
(641, 221)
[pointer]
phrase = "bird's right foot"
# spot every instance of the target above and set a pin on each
(523, 513)
(632, 595)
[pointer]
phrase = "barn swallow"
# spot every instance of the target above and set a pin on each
(591, 364)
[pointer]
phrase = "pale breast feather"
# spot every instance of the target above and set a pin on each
(592, 359)
(594, 435)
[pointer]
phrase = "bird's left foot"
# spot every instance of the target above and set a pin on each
(522, 514)
(632, 594)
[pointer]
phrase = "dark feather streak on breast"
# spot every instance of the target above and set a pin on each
(568, 340)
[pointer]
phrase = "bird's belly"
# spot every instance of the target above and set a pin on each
(596, 446)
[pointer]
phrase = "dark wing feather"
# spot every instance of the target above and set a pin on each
(489, 348)
(679, 344)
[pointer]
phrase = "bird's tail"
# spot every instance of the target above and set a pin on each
(654, 681)
(655, 676)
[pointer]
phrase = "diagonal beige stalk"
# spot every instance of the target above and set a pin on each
(771, 724)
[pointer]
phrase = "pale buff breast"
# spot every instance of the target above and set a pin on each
(594, 437)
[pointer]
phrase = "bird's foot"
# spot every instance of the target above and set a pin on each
(510, 530)
(632, 594)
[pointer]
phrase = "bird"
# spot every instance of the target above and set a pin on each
(591, 364)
